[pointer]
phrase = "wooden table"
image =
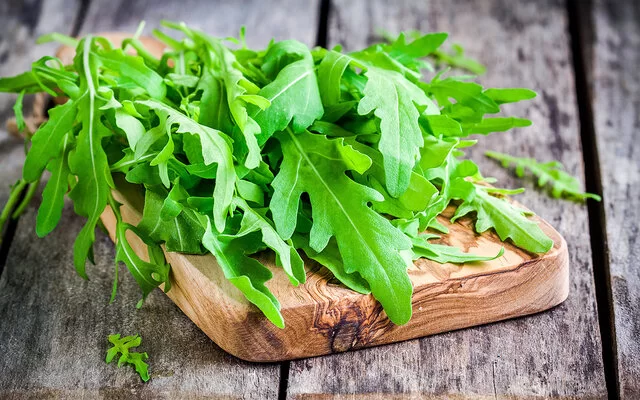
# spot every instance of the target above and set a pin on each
(583, 59)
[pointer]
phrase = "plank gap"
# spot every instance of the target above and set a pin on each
(78, 21)
(323, 23)
(7, 239)
(284, 380)
(579, 13)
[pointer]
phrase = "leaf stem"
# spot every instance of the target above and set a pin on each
(14, 197)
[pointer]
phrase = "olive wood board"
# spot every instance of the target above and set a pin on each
(322, 316)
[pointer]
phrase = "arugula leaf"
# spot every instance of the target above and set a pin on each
(216, 148)
(52, 204)
(132, 70)
(294, 93)
(180, 232)
(416, 198)
(148, 275)
(456, 58)
(490, 125)
(45, 143)
(330, 72)
(88, 161)
(466, 93)
(394, 99)
(446, 254)
(17, 110)
(508, 221)
(239, 93)
(245, 273)
(369, 244)
(420, 47)
(509, 95)
(253, 221)
(123, 347)
(562, 184)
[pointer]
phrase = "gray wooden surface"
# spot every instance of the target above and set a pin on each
(54, 325)
(264, 19)
(616, 105)
(555, 353)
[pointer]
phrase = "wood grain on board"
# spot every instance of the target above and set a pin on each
(323, 317)
(616, 107)
(54, 325)
(552, 354)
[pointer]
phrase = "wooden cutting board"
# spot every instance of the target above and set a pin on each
(323, 317)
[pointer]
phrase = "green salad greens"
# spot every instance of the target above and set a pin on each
(561, 183)
(346, 157)
(123, 347)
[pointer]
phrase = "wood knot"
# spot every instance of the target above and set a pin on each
(345, 334)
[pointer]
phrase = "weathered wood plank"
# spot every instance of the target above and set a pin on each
(616, 107)
(287, 19)
(553, 354)
(55, 325)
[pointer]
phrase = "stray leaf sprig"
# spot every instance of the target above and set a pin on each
(562, 184)
(123, 347)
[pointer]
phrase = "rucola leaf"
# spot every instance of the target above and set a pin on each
(123, 347)
(227, 84)
(88, 161)
(52, 204)
(562, 184)
(294, 93)
(244, 272)
(253, 221)
(446, 254)
(45, 143)
(181, 232)
(508, 221)
(395, 100)
(216, 148)
(367, 241)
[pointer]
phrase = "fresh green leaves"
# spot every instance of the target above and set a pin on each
(214, 148)
(398, 104)
(552, 172)
(293, 94)
(88, 160)
(17, 110)
(57, 187)
(46, 142)
(369, 244)
(347, 157)
(446, 254)
(123, 347)
(244, 272)
(508, 221)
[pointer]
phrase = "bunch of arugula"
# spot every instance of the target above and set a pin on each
(348, 157)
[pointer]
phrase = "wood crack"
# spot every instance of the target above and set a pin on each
(581, 35)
